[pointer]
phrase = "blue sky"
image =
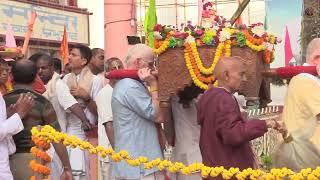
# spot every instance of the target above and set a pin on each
(279, 14)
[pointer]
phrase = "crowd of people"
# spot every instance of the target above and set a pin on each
(208, 128)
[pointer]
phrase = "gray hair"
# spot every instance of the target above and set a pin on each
(135, 52)
(109, 62)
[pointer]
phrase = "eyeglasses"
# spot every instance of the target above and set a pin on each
(153, 65)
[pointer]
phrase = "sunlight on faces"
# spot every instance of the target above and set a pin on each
(236, 76)
(313, 52)
(113, 64)
(98, 60)
(4, 71)
(231, 72)
(140, 56)
(76, 61)
(45, 70)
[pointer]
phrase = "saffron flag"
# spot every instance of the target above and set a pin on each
(239, 20)
(287, 48)
(29, 32)
(64, 49)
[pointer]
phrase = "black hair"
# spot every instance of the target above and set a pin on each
(95, 51)
(188, 94)
(24, 72)
(35, 58)
(57, 64)
(85, 51)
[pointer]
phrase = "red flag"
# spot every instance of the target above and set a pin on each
(64, 50)
(287, 48)
(239, 20)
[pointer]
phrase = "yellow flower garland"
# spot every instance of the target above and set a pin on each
(217, 56)
(194, 78)
(226, 46)
(49, 134)
(164, 46)
(255, 47)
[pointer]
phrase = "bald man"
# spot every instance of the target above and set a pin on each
(301, 115)
(136, 113)
(225, 134)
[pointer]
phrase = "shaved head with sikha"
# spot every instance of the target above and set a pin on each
(230, 73)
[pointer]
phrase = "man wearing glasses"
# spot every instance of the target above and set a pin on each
(136, 112)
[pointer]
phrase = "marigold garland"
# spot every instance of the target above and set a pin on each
(201, 75)
(48, 134)
(34, 178)
(253, 40)
(163, 47)
(40, 143)
(36, 167)
(40, 154)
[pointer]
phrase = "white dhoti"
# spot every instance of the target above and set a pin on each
(79, 159)
(55, 165)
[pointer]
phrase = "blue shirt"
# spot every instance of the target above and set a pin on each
(134, 126)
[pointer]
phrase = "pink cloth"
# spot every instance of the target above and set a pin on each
(287, 48)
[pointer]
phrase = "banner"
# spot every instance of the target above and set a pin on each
(49, 24)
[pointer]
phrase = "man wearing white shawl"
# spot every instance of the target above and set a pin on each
(84, 86)
(301, 115)
(58, 93)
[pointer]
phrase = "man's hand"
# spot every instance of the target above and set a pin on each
(11, 110)
(146, 76)
(86, 126)
(80, 92)
(318, 69)
(24, 104)
(66, 175)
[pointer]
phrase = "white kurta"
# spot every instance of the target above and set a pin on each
(8, 128)
(80, 159)
(187, 136)
(103, 102)
(59, 95)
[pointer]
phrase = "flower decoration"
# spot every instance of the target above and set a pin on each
(241, 40)
(179, 43)
(157, 35)
(225, 34)
(268, 46)
(208, 37)
(181, 35)
(172, 42)
(199, 32)
(39, 168)
(278, 39)
(158, 28)
(48, 134)
(190, 39)
(40, 154)
(258, 30)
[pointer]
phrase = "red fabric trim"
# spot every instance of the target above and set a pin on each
(121, 74)
(291, 71)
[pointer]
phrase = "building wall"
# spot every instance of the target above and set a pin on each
(96, 21)
(119, 23)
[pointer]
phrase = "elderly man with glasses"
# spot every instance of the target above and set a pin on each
(136, 113)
